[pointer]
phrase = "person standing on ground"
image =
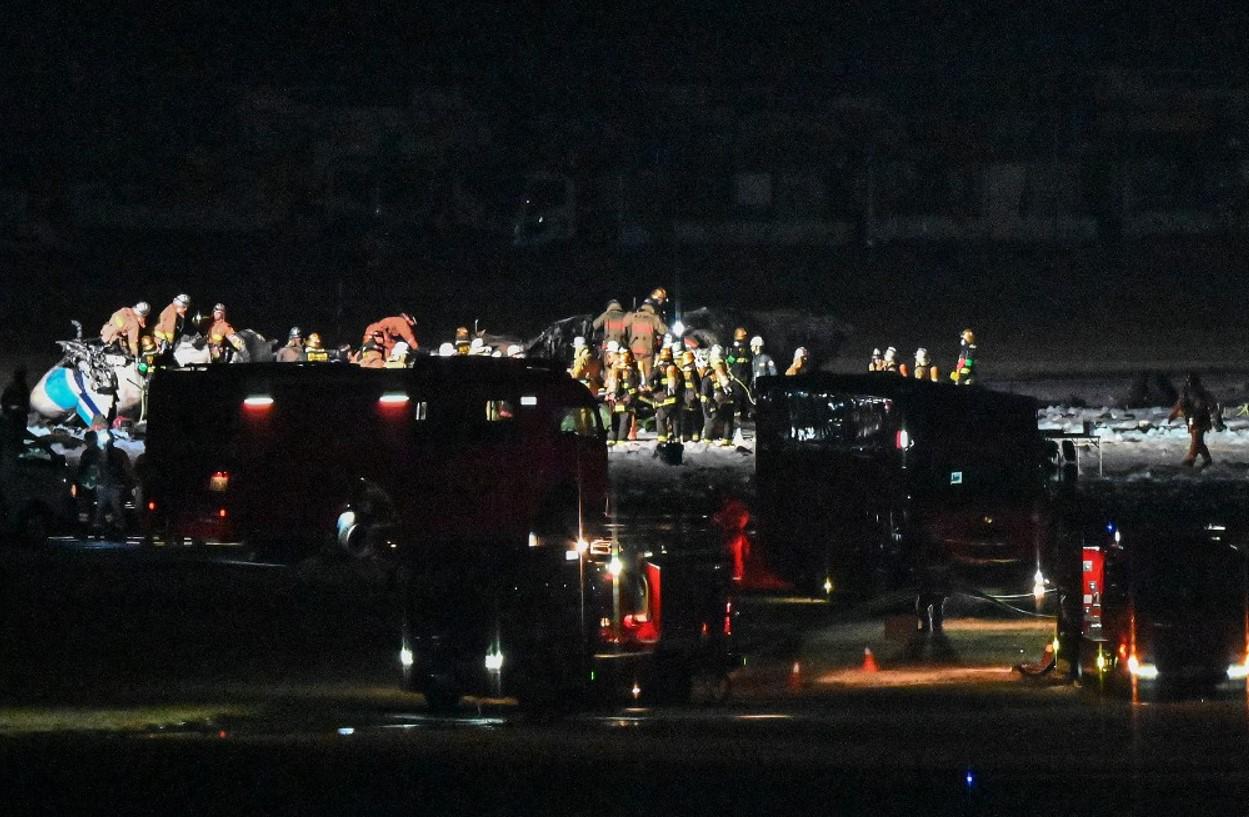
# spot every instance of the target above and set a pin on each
(1201, 412)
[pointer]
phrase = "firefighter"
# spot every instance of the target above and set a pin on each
(398, 358)
(667, 393)
(659, 301)
(644, 328)
(691, 402)
(172, 322)
(370, 356)
(761, 364)
(610, 326)
(892, 364)
(462, 340)
(622, 396)
(392, 330)
(586, 369)
(125, 326)
(925, 369)
(877, 363)
(801, 362)
(315, 352)
(738, 357)
(293, 351)
(718, 405)
(964, 373)
(219, 333)
(1201, 412)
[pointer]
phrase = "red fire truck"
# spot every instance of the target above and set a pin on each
(482, 481)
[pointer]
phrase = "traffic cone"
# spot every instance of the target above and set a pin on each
(795, 677)
(869, 661)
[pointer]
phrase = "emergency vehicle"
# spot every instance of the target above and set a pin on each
(482, 481)
(876, 482)
(1156, 606)
(474, 450)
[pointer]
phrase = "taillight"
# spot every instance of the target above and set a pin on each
(902, 440)
(258, 402)
(219, 482)
(151, 505)
(221, 513)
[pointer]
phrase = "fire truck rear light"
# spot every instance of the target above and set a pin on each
(902, 439)
(221, 513)
(258, 401)
(393, 398)
(151, 505)
(528, 400)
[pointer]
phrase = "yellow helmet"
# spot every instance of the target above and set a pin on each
(314, 341)
(147, 343)
(740, 333)
(660, 294)
(969, 336)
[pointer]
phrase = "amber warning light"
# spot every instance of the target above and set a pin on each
(219, 482)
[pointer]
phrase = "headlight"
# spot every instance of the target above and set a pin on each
(1238, 672)
(1146, 672)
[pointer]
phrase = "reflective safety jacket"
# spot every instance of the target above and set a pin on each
(125, 323)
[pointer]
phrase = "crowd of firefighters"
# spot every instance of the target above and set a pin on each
(635, 365)
(632, 362)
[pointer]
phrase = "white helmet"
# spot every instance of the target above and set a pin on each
(921, 356)
(401, 348)
(756, 342)
(143, 308)
(182, 299)
(613, 346)
(891, 353)
(515, 351)
(477, 347)
(800, 353)
(578, 342)
(446, 350)
(717, 352)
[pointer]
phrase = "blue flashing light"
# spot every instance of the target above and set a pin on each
(969, 779)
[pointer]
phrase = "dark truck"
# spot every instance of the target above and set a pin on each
(1157, 605)
(873, 483)
(480, 481)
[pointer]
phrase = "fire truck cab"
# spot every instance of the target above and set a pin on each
(1155, 607)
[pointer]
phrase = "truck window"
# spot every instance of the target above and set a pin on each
(579, 420)
(498, 411)
(832, 421)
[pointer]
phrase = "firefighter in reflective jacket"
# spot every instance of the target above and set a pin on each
(314, 352)
(925, 369)
(622, 395)
(691, 401)
(667, 392)
(611, 325)
(219, 334)
(738, 357)
(586, 369)
(964, 373)
(125, 326)
(645, 329)
(172, 322)
(761, 364)
(718, 397)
